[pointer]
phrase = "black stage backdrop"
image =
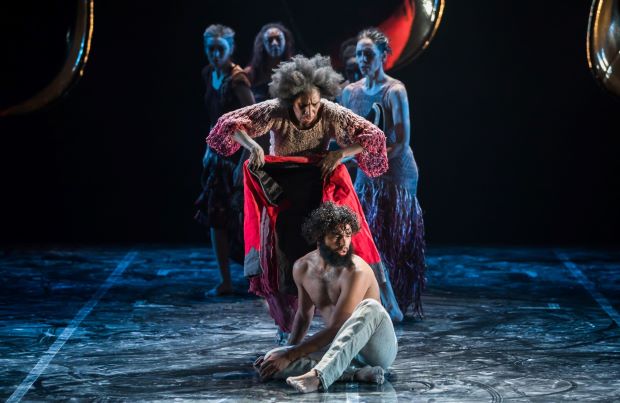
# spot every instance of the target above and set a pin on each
(515, 141)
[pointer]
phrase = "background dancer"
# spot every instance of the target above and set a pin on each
(220, 203)
(273, 44)
(390, 203)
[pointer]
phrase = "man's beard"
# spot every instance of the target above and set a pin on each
(333, 258)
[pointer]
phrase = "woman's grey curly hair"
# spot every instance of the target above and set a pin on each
(300, 75)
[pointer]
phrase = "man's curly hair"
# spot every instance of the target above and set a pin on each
(300, 75)
(327, 218)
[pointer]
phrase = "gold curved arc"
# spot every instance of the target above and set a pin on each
(72, 69)
(426, 39)
(603, 44)
(442, 5)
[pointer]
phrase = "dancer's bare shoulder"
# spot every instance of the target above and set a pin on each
(365, 277)
(361, 266)
(305, 263)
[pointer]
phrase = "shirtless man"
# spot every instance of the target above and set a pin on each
(342, 286)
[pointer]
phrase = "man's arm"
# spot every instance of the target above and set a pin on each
(352, 291)
(279, 360)
(305, 306)
(351, 294)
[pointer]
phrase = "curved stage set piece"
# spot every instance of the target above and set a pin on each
(603, 44)
(79, 37)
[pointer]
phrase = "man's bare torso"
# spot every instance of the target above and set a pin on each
(323, 283)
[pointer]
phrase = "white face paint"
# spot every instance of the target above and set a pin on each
(369, 57)
(274, 42)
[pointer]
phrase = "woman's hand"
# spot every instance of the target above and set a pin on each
(330, 162)
(257, 157)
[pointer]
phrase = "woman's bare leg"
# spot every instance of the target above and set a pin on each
(219, 241)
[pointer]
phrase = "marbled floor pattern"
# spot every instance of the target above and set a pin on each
(502, 324)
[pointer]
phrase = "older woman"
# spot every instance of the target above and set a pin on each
(390, 202)
(302, 121)
(227, 89)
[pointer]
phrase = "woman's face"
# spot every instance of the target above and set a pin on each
(369, 58)
(306, 107)
(274, 42)
(218, 51)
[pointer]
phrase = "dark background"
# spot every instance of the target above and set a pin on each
(515, 141)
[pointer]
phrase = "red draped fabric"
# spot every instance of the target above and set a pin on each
(338, 189)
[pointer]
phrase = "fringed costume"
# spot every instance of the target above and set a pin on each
(391, 205)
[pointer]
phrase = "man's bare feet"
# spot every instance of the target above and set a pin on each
(370, 374)
(220, 290)
(306, 383)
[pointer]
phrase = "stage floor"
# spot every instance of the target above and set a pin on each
(107, 323)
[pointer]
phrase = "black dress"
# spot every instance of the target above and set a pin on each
(220, 204)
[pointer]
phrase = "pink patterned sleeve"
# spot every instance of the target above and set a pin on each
(255, 120)
(350, 128)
